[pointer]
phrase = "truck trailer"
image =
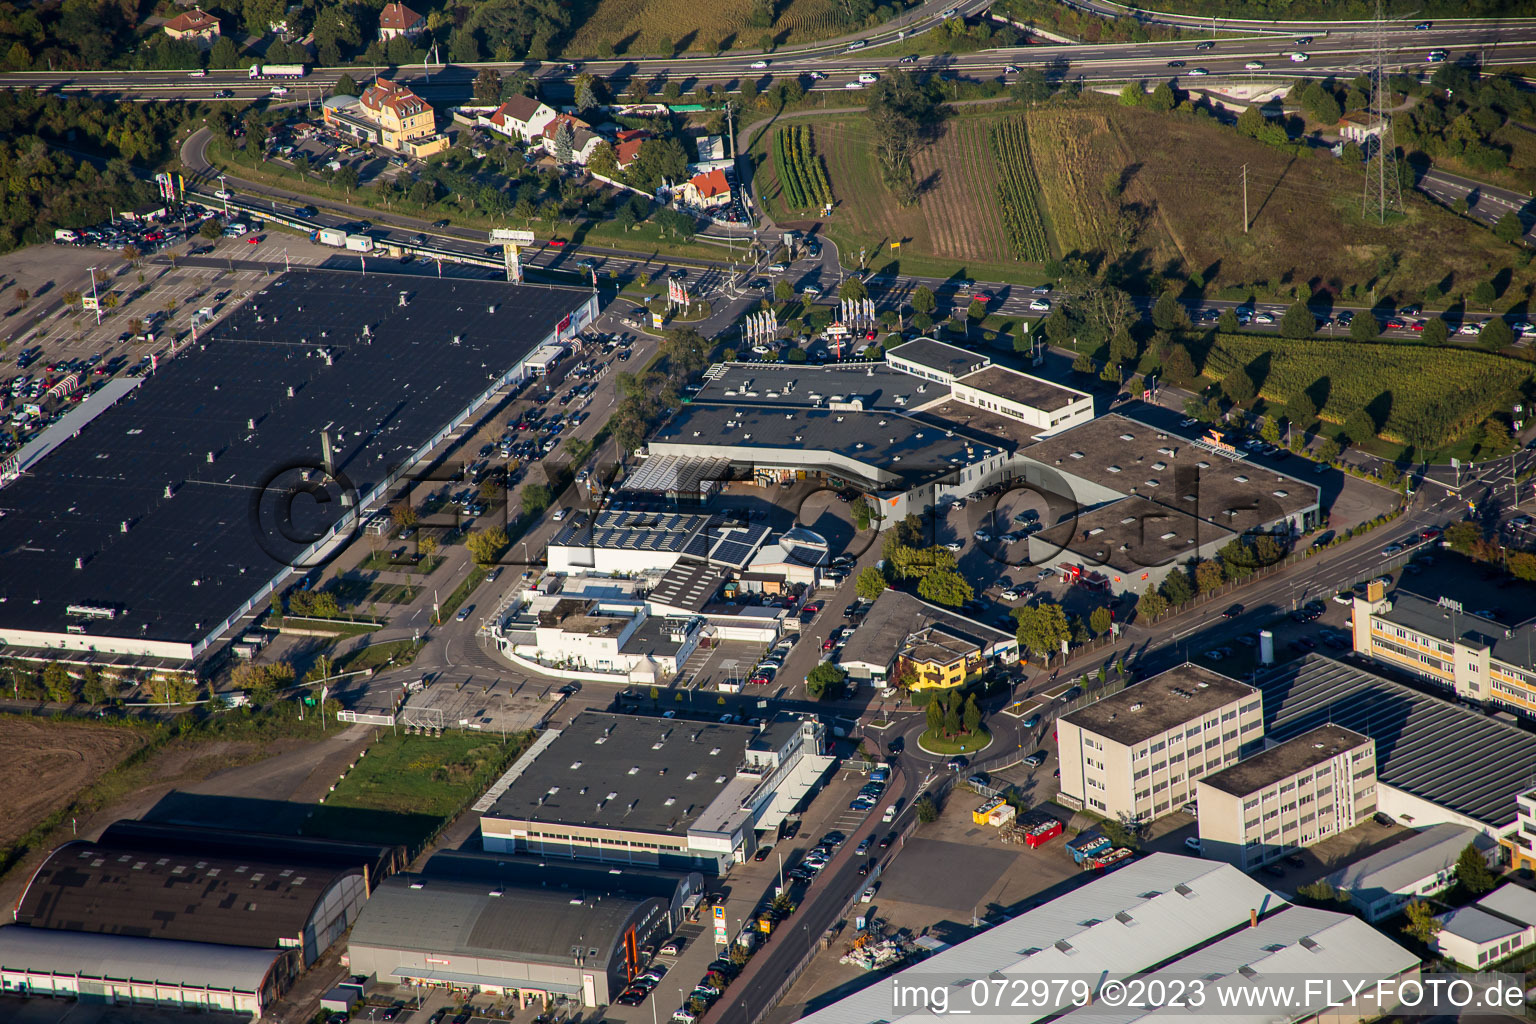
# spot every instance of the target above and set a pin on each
(359, 243)
(277, 71)
(330, 236)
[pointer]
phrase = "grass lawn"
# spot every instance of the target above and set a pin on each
(336, 627)
(384, 561)
(934, 744)
(400, 652)
(407, 786)
(637, 27)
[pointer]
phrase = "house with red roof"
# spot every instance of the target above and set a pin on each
(396, 20)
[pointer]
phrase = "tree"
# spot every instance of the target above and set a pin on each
(824, 681)
(536, 498)
(1509, 228)
(1100, 620)
(93, 688)
(1151, 604)
(923, 300)
(1321, 104)
(1250, 122)
(1176, 586)
(1238, 386)
(1208, 575)
(1178, 367)
(951, 714)
(1162, 98)
(1359, 427)
(1082, 363)
(403, 513)
(56, 681)
(1227, 323)
(488, 87)
(1521, 565)
(1043, 628)
(945, 587)
(1322, 891)
(586, 94)
(971, 716)
(346, 179)
(346, 85)
(852, 288)
(1435, 332)
(1473, 873)
(1298, 321)
(1496, 335)
(1120, 834)
(927, 810)
(486, 545)
(869, 584)
(1484, 294)
(977, 310)
(1270, 430)
(933, 715)
(1328, 450)
(1132, 94)
(1168, 314)
(1123, 348)
(565, 141)
(1364, 327)
(1422, 923)
(1300, 409)
(426, 547)
(211, 228)
(783, 291)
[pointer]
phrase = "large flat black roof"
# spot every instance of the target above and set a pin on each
(228, 426)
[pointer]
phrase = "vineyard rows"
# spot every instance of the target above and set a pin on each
(1430, 396)
(800, 170)
(1018, 191)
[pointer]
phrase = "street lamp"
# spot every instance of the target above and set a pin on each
(225, 193)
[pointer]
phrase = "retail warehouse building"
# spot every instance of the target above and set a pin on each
(630, 789)
(170, 515)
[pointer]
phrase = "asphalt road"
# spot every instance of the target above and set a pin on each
(1344, 49)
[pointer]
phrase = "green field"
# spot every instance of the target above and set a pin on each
(411, 785)
(1154, 194)
(400, 652)
(648, 26)
(1418, 395)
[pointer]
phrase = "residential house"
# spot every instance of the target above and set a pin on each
(626, 146)
(520, 117)
(707, 190)
(584, 141)
(196, 26)
(396, 20)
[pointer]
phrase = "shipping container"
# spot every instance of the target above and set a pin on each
(329, 236)
(359, 243)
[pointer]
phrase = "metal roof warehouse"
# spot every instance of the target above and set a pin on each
(175, 511)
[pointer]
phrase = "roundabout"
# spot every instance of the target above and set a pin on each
(966, 743)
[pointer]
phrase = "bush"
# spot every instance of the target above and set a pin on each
(927, 810)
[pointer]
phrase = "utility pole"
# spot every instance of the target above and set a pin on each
(1245, 199)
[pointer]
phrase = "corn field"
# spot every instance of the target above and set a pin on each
(1018, 191)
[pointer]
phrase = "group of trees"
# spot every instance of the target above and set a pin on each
(907, 557)
(1460, 113)
(904, 115)
(1236, 561)
(47, 183)
(825, 681)
(57, 682)
(645, 398)
(1469, 538)
(953, 717)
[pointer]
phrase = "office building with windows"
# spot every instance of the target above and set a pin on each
(1138, 753)
(1292, 795)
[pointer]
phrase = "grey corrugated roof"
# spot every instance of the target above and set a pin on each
(879, 385)
(462, 917)
(1403, 865)
(121, 956)
(1144, 914)
(1477, 925)
(1515, 902)
(1425, 745)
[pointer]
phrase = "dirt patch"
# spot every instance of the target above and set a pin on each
(43, 764)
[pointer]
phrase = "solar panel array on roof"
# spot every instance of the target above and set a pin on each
(161, 513)
(1444, 753)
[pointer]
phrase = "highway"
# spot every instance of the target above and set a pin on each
(1331, 50)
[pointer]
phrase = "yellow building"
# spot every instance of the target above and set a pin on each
(1468, 652)
(390, 115)
(934, 658)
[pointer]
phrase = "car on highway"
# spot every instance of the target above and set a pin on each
(1304, 41)
(199, 73)
(464, 613)
(852, 85)
(950, 13)
(1175, 63)
(1299, 57)
(1423, 26)
(223, 94)
(1198, 72)
(758, 65)
(305, 211)
(278, 90)
(1254, 65)
(817, 76)
(868, 77)
(910, 58)
(1040, 305)
(857, 44)
(1391, 549)
(1232, 612)
(1206, 45)
(1436, 56)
